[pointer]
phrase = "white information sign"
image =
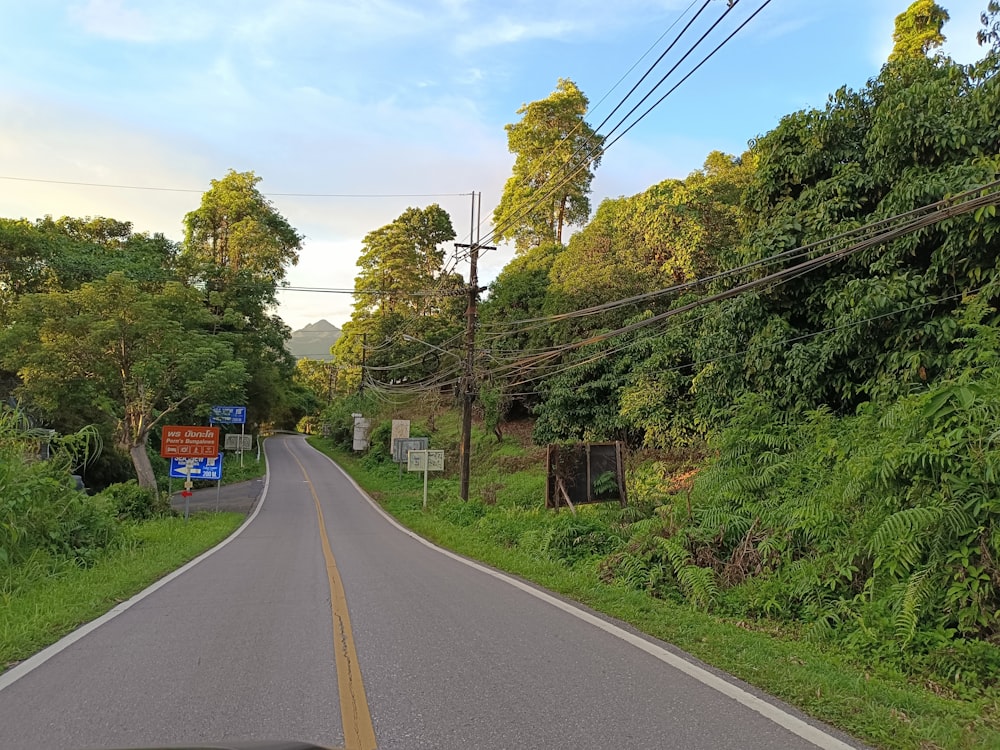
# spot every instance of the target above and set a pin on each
(236, 442)
(425, 461)
(418, 460)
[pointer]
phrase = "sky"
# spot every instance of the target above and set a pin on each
(385, 104)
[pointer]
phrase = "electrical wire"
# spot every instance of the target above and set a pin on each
(870, 229)
(550, 192)
(945, 212)
(193, 190)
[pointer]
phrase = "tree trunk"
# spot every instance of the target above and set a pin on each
(143, 467)
(559, 225)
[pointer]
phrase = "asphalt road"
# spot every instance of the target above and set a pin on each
(249, 643)
(241, 497)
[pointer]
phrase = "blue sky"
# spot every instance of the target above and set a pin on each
(384, 97)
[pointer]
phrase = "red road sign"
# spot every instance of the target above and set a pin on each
(189, 442)
(186, 493)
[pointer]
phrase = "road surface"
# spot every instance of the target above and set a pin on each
(323, 621)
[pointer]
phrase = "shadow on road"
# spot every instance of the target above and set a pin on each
(241, 497)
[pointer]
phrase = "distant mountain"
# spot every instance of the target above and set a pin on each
(314, 341)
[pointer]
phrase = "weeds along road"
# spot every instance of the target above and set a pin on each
(322, 621)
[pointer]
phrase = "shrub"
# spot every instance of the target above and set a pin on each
(130, 501)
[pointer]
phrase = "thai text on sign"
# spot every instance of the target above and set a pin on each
(189, 442)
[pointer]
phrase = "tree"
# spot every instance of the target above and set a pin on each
(238, 246)
(402, 288)
(236, 229)
(918, 30)
(134, 355)
(990, 33)
(400, 259)
(557, 153)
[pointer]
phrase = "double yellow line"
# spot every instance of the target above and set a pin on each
(356, 718)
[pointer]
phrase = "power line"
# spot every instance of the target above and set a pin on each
(870, 229)
(550, 190)
(732, 355)
(949, 208)
(372, 292)
(192, 190)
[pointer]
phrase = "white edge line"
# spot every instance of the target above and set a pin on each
(12, 675)
(793, 724)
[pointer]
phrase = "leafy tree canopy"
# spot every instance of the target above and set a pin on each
(136, 355)
(918, 30)
(556, 155)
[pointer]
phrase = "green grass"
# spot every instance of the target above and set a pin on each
(39, 604)
(873, 702)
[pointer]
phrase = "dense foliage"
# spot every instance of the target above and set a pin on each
(407, 303)
(103, 326)
(851, 410)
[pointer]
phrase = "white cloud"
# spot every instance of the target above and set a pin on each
(122, 20)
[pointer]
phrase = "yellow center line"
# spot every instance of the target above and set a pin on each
(359, 734)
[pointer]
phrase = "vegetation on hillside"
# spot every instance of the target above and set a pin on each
(847, 408)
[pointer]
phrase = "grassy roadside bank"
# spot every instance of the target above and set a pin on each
(873, 702)
(39, 612)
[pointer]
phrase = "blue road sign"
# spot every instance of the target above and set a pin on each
(228, 415)
(201, 468)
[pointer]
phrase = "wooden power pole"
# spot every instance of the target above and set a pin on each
(469, 376)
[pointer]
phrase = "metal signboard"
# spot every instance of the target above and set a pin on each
(201, 468)
(236, 442)
(362, 426)
(228, 415)
(400, 429)
(425, 460)
(189, 442)
(400, 447)
(585, 473)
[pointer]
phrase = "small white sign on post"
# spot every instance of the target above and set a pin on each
(425, 461)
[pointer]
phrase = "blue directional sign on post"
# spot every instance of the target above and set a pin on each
(228, 415)
(201, 468)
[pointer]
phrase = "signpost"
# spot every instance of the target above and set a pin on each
(209, 469)
(197, 468)
(425, 461)
(180, 441)
(400, 429)
(231, 415)
(401, 446)
(189, 442)
(228, 415)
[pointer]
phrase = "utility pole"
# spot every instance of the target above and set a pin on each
(364, 351)
(469, 378)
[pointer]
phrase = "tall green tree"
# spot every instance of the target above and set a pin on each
(135, 355)
(401, 259)
(918, 30)
(238, 246)
(237, 229)
(402, 288)
(556, 155)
